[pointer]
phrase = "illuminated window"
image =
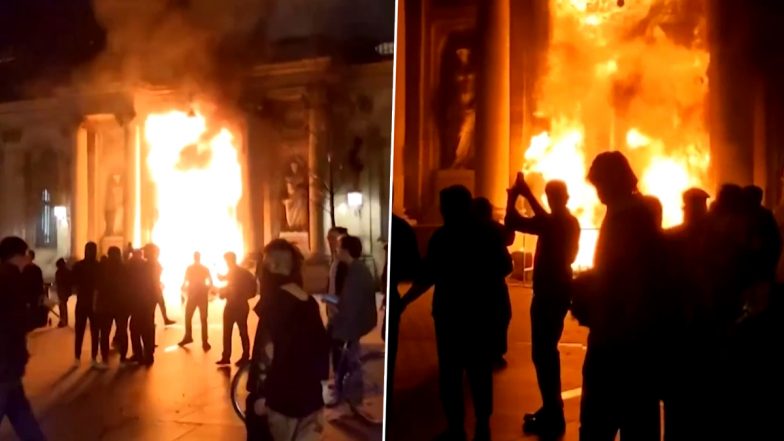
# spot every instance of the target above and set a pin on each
(46, 236)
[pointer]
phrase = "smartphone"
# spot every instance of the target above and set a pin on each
(330, 298)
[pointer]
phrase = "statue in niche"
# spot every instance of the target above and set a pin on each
(114, 208)
(456, 104)
(295, 198)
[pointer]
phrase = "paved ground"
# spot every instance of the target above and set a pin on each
(183, 397)
(418, 415)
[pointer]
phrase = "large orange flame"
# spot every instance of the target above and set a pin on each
(618, 79)
(198, 187)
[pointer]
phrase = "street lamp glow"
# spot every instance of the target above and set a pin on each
(354, 199)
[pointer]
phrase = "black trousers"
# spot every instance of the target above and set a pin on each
(83, 315)
(547, 324)
(121, 334)
(103, 322)
(502, 319)
(196, 301)
(461, 351)
(143, 332)
(15, 406)
(256, 426)
(619, 393)
(236, 313)
(62, 305)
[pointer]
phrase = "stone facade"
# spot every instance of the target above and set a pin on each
(68, 163)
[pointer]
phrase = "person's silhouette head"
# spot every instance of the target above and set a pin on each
(350, 249)
(231, 259)
(456, 204)
(91, 251)
(753, 195)
(655, 207)
(136, 254)
(730, 199)
(197, 257)
(695, 205)
(333, 237)
(114, 254)
(281, 257)
(613, 177)
(483, 209)
(557, 195)
(13, 251)
(60, 264)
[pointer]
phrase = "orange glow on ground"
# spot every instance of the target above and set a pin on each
(197, 176)
(616, 79)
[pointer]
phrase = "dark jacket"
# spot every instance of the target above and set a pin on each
(13, 324)
(112, 297)
(357, 306)
(85, 282)
(62, 279)
(33, 284)
(292, 380)
(240, 287)
(142, 287)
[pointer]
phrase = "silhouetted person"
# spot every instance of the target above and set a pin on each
(464, 259)
(684, 360)
(766, 239)
(13, 340)
(112, 283)
(355, 314)
(620, 308)
(337, 276)
(405, 264)
(240, 287)
(35, 292)
(85, 283)
(198, 282)
(151, 254)
(483, 211)
(62, 281)
(143, 288)
(556, 249)
(655, 207)
(290, 364)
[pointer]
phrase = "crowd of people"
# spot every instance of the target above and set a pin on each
(290, 362)
(680, 319)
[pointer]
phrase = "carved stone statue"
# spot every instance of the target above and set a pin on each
(114, 207)
(465, 80)
(456, 113)
(295, 200)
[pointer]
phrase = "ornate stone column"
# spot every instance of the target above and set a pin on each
(318, 131)
(398, 167)
(492, 118)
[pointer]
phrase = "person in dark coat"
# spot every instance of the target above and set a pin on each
(109, 304)
(483, 210)
(13, 340)
(143, 286)
(85, 283)
(63, 283)
(404, 254)
(620, 310)
(337, 277)
(463, 259)
(34, 281)
(290, 364)
(556, 249)
(240, 288)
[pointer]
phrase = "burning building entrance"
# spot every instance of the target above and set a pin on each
(542, 86)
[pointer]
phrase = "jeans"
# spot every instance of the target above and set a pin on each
(143, 332)
(547, 323)
(14, 405)
(349, 364)
(284, 428)
(236, 314)
(194, 302)
(83, 315)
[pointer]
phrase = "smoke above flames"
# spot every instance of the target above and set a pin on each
(186, 43)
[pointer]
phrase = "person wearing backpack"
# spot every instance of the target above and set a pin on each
(240, 287)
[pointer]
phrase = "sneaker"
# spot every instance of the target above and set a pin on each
(135, 359)
(94, 364)
(62, 325)
(185, 341)
(223, 362)
(242, 362)
(77, 363)
(101, 366)
(168, 322)
(206, 347)
(544, 424)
